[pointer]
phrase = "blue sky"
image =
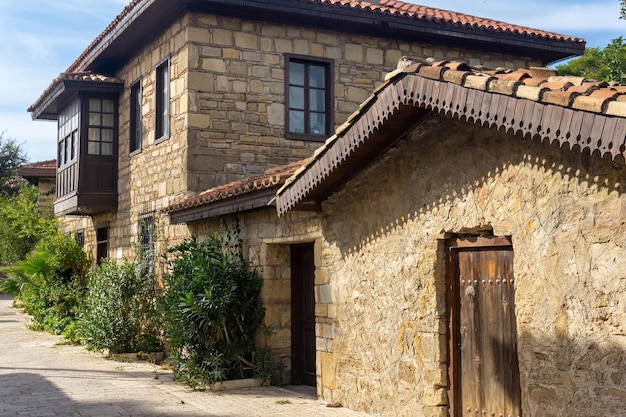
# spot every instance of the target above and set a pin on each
(40, 38)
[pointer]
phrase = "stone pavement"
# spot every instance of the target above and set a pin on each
(41, 378)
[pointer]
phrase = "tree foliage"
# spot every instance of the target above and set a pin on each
(622, 10)
(603, 64)
(12, 155)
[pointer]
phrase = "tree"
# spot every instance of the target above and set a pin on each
(603, 64)
(12, 155)
(622, 10)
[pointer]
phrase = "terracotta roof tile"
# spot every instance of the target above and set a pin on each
(270, 178)
(389, 7)
(49, 164)
(584, 114)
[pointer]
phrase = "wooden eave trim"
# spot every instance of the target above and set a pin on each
(66, 88)
(517, 116)
(236, 204)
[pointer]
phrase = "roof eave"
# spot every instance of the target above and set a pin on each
(48, 106)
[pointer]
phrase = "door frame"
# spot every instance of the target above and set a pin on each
(452, 245)
(299, 358)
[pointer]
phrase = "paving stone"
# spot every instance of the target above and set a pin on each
(40, 377)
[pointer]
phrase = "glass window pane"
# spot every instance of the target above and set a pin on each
(106, 135)
(107, 148)
(94, 119)
(317, 100)
(296, 121)
(296, 73)
(107, 120)
(94, 134)
(317, 76)
(317, 123)
(107, 106)
(296, 98)
(94, 148)
(94, 105)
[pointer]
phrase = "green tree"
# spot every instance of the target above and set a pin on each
(22, 224)
(603, 64)
(622, 10)
(12, 155)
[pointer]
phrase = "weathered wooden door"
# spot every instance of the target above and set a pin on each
(483, 366)
(303, 314)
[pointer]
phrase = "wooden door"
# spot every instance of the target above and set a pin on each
(303, 314)
(483, 367)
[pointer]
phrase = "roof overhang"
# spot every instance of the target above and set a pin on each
(67, 86)
(143, 20)
(453, 90)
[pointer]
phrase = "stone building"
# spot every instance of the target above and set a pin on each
(180, 112)
(41, 174)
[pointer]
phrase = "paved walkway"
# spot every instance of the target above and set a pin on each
(41, 378)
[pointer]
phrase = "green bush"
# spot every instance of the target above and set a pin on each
(23, 224)
(50, 282)
(211, 311)
(120, 308)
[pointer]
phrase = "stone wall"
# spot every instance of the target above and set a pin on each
(383, 259)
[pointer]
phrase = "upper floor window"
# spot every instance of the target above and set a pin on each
(162, 90)
(101, 126)
(308, 97)
(102, 242)
(68, 133)
(135, 116)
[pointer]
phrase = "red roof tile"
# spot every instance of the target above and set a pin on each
(271, 178)
(390, 7)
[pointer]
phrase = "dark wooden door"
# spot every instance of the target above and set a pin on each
(303, 314)
(484, 369)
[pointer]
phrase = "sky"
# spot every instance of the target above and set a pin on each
(39, 39)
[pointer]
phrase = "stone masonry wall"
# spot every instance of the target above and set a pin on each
(236, 89)
(383, 258)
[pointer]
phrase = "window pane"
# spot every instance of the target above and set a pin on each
(296, 98)
(107, 106)
(61, 152)
(317, 100)
(94, 134)
(317, 123)
(106, 135)
(107, 120)
(94, 148)
(296, 121)
(296, 73)
(94, 105)
(94, 119)
(317, 76)
(74, 144)
(107, 148)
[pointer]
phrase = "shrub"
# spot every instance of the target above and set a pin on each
(50, 282)
(120, 308)
(211, 311)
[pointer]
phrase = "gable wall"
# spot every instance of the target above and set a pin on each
(384, 263)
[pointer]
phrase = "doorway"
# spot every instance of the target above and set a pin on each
(482, 346)
(303, 314)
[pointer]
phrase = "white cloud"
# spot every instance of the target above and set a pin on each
(38, 137)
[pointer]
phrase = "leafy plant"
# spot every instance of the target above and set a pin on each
(120, 311)
(211, 311)
(49, 282)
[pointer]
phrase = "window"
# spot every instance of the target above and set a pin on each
(79, 237)
(146, 239)
(101, 126)
(308, 98)
(68, 133)
(135, 116)
(162, 124)
(102, 243)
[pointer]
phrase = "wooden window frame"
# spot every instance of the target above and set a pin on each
(136, 119)
(162, 100)
(309, 61)
(102, 242)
